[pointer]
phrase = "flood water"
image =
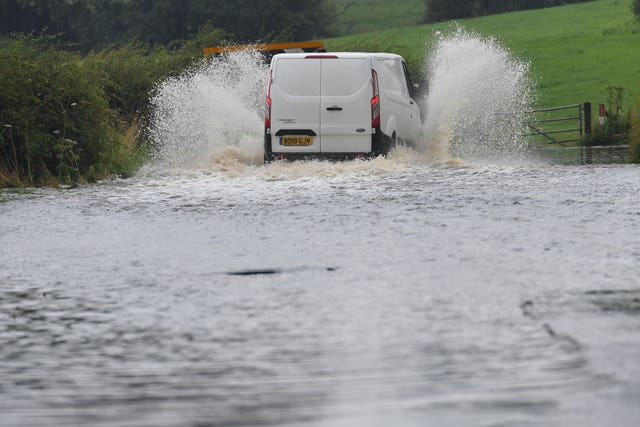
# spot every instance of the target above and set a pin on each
(460, 283)
(325, 294)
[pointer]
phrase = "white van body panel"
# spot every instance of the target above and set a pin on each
(396, 103)
(346, 88)
(329, 97)
(295, 97)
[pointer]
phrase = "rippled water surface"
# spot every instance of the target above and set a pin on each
(409, 291)
(325, 294)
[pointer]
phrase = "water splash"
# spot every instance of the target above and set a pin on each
(211, 114)
(479, 96)
(210, 117)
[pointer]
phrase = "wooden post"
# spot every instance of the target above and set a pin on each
(587, 118)
(587, 130)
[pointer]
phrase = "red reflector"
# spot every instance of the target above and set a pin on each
(359, 156)
(321, 57)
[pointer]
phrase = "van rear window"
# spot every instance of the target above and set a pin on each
(345, 76)
(298, 77)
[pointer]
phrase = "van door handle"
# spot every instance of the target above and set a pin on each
(334, 108)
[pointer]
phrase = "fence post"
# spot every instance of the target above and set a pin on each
(587, 118)
(587, 130)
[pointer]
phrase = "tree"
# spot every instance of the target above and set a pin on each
(98, 23)
(16, 17)
(636, 8)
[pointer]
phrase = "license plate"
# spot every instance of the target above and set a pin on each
(296, 141)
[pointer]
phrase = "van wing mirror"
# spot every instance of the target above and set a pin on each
(419, 89)
(414, 89)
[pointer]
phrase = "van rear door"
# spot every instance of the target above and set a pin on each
(295, 113)
(345, 110)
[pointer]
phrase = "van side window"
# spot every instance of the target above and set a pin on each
(391, 75)
(408, 81)
(399, 76)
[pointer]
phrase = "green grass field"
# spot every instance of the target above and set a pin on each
(359, 16)
(575, 51)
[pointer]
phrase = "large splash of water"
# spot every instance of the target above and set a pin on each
(478, 101)
(211, 116)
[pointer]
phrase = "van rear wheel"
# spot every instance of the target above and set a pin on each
(382, 143)
(388, 144)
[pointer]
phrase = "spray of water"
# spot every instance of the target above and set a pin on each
(479, 96)
(210, 117)
(211, 114)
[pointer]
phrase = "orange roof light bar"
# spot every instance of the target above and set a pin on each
(308, 46)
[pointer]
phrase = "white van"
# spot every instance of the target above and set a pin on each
(338, 105)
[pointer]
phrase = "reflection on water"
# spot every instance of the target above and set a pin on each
(390, 292)
(613, 154)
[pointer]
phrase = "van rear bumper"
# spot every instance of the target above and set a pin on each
(337, 157)
(380, 145)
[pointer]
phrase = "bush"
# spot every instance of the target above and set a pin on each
(130, 72)
(54, 112)
(64, 118)
(615, 130)
(636, 8)
(634, 136)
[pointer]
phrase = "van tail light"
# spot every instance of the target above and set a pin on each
(375, 100)
(267, 110)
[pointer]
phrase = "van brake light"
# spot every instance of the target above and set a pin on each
(321, 57)
(375, 100)
(267, 110)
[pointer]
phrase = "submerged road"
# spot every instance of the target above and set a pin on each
(370, 294)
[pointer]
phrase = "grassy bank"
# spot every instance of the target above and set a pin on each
(374, 15)
(575, 51)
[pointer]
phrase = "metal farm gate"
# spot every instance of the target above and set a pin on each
(552, 128)
(560, 125)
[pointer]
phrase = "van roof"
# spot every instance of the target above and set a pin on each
(345, 55)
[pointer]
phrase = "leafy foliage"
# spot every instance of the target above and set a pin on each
(65, 118)
(636, 8)
(99, 23)
(616, 127)
(52, 110)
(129, 72)
(614, 131)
